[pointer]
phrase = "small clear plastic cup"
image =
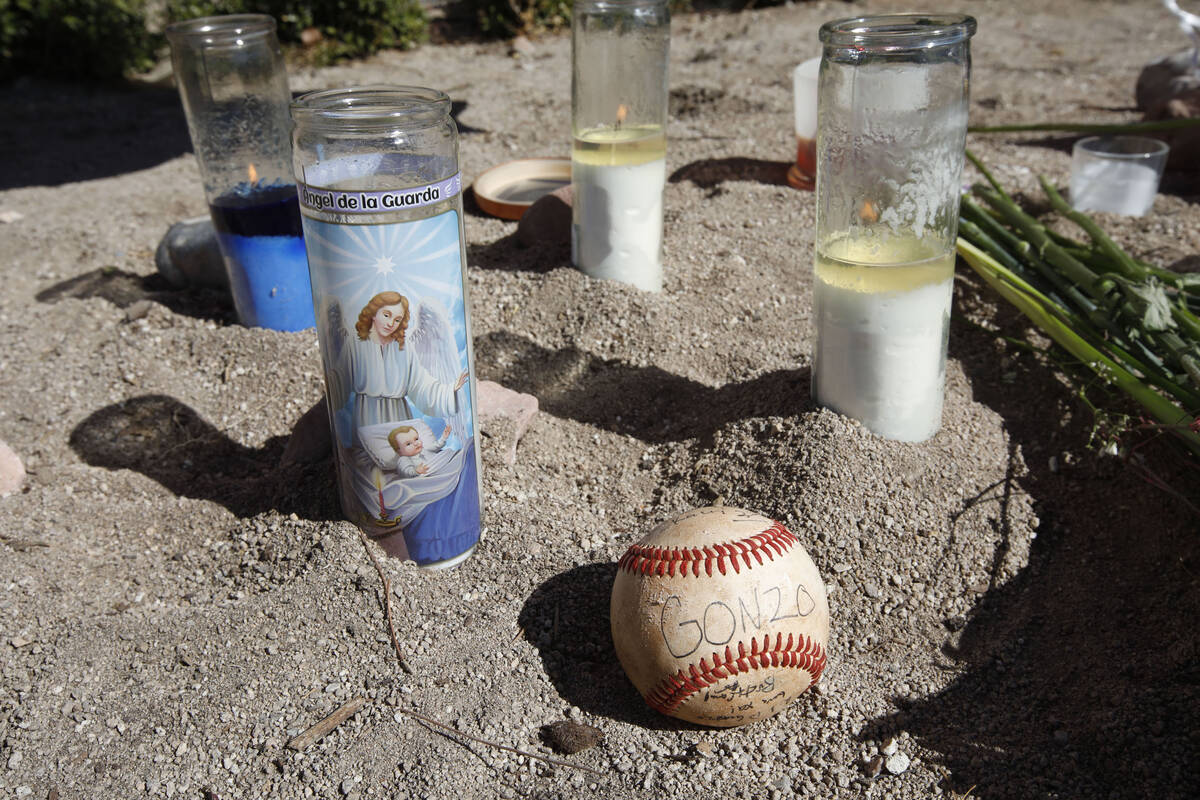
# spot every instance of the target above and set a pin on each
(1117, 174)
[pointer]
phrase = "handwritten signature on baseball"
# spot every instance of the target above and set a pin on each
(684, 630)
(735, 690)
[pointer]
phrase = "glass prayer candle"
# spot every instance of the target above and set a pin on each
(234, 88)
(803, 173)
(380, 194)
(892, 125)
(619, 123)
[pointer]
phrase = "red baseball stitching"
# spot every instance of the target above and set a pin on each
(775, 540)
(807, 655)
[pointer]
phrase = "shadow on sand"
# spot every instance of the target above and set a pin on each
(56, 133)
(1086, 665)
(566, 619)
(711, 173)
(647, 403)
(167, 441)
(124, 289)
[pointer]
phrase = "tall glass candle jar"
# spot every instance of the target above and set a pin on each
(380, 193)
(619, 124)
(892, 125)
(234, 88)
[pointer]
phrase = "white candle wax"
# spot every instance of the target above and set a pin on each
(1120, 187)
(881, 342)
(619, 176)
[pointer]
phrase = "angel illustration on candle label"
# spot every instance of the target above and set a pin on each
(394, 339)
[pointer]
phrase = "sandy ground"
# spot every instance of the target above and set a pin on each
(1016, 611)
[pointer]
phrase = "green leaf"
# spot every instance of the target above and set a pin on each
(1149, 298)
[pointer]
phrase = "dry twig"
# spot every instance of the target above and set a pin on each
(387, 607)
(387, 600)
(302, 741)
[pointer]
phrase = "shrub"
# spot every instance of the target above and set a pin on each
(349, 28)
(510, 17)
(78, 39)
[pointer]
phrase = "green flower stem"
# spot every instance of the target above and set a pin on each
(1035, 233)
(1156, 126)
(1090, 325)
(1018, 293)
(1125, 265)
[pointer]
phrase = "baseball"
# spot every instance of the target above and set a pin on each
(719, 617)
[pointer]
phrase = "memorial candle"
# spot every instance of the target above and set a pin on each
(892, 122)
(381, 199)
(258, 227)
(619, 175)
(618, 157)
(234, 89)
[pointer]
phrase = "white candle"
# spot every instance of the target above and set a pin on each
(1120, 187)
(619, 175)
(881, 340)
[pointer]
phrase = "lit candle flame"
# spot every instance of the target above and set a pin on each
(253, 175)
(868, 212)
(622, 112)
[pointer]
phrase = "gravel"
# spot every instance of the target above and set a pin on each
(188, 603)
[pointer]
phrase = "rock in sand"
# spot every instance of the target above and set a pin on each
(12, 471)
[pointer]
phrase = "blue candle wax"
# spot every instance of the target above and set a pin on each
(259, 231)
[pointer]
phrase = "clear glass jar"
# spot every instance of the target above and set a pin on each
(619, 122)
(892, 124)
(234, 88)
(381, 198)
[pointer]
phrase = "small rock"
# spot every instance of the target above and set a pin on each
(189, 257)
(703, 749)
(162, 75)
(311, 440)
(569, 737)
(14, 760)
(496, 401)
(897, 763)
(873, 766)
(548, 220)
(8, 216)
(890, 747)
(521, 46)
(1170, 89)
(138, 310)
(873, 591)
(1164, 80)
(12, 471)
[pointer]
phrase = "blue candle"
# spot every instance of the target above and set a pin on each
(259, 231)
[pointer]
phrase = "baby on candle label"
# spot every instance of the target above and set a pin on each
(365, 202)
